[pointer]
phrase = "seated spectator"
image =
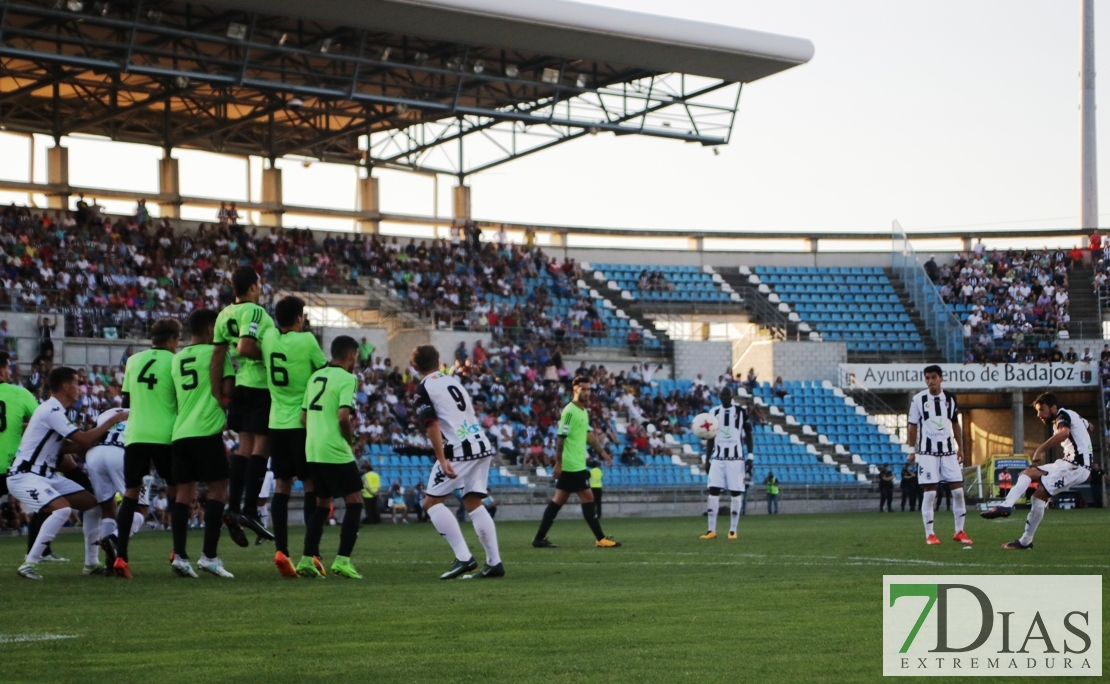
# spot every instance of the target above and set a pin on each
(397, 503)
(1071, 356)
(779, 388)
(752, 381)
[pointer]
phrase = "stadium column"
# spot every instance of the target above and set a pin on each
(272, 197)
(462, 201)
(169, 187)
(1016, 401)
(57, 175)
(369, 202)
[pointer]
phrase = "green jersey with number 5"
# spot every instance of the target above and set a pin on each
(149, 386)
(329, 389)
(291, 358)
(198, 412)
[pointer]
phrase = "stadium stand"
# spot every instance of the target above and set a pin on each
(857, 305)
(653, 283)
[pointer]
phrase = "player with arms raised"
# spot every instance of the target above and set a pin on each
(934, 433)
(242, 325)
(729, 458)
(291, 357)
(571, 474)
(463, 452)
(1072, 435)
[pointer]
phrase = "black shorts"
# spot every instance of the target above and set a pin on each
(249, 411)
(573, 481)
(200, 459)
(287, 454)
(3, 485)
(137, 459)
(335, 480)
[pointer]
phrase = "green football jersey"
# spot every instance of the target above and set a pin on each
(16, 406)
(148, 382)
(198, 412)
(291, 358)
(244, 319)
(574, 427)
(329, 389)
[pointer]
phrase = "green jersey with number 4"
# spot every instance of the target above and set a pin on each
(329, 389)
(198, 412)
(16, 406)
(291, 358)
(244, 319)
(153, 404)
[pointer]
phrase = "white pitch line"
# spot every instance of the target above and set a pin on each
(25, 638)
(753, 560)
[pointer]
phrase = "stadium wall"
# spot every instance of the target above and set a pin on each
(808, 360)
(399, 346)
(710, 359)
(379, 337)
(680, 257)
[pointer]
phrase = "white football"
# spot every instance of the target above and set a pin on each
(705, 426)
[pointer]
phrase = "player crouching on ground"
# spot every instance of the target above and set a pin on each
(33, 478)
(463, 452)
(329, 401)
(1073, 469)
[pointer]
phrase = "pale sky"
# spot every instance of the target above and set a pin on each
(942, 113)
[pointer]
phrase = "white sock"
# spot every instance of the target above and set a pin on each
(734, 513)
(54, 522)
(959, 508)
(487, 534)
(1036, 514)
(927, 511)
(713, 505)
(448, 527)
(136, 523)
(264, 514)
(1018, 491)
(107, 527)
(90, 525)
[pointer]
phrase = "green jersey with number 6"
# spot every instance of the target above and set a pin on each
(291, 358)
(148, 384)
(16, 406)
(329, 389)
(198, 412)
(244, 319)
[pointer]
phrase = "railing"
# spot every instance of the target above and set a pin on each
(939, 319)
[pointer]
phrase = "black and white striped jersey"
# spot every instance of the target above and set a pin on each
(732, 420)
(442, 398)
(1077, 447)
(935, 418)
(42, 440)
(114, 437)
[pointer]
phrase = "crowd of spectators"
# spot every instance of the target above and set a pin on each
(653, 281)
(1015, 300)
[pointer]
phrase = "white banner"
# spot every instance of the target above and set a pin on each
(910, 376)
(992, 625)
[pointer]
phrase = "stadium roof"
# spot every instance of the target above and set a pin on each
(376, 82)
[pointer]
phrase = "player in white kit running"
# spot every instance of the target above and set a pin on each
(729, 459)
(934, 434)
(1074, 468)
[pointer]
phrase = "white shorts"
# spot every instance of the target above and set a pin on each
(267, 486)
(105, 467)
(937, 469)
(727, 475)
(472, 477)
(35, 491)
(1058, 476)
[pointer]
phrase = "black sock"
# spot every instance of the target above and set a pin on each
(549, 514)
(255, 476)
(236, 481)
(309, 506)
(213, 524)
(590, 515)
(315, 531)
(125, 518)
(33, 531)
(349, 532)
(179, 526)
(279, 514)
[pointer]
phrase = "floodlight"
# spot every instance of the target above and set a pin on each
(512, 70)
(580, 82)
(550, 76)
(479, 66)
(236, 31)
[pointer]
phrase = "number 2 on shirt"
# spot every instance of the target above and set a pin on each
(312, 405)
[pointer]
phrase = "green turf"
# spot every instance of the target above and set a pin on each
(797, 598)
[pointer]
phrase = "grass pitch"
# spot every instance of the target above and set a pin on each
(797, 598)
